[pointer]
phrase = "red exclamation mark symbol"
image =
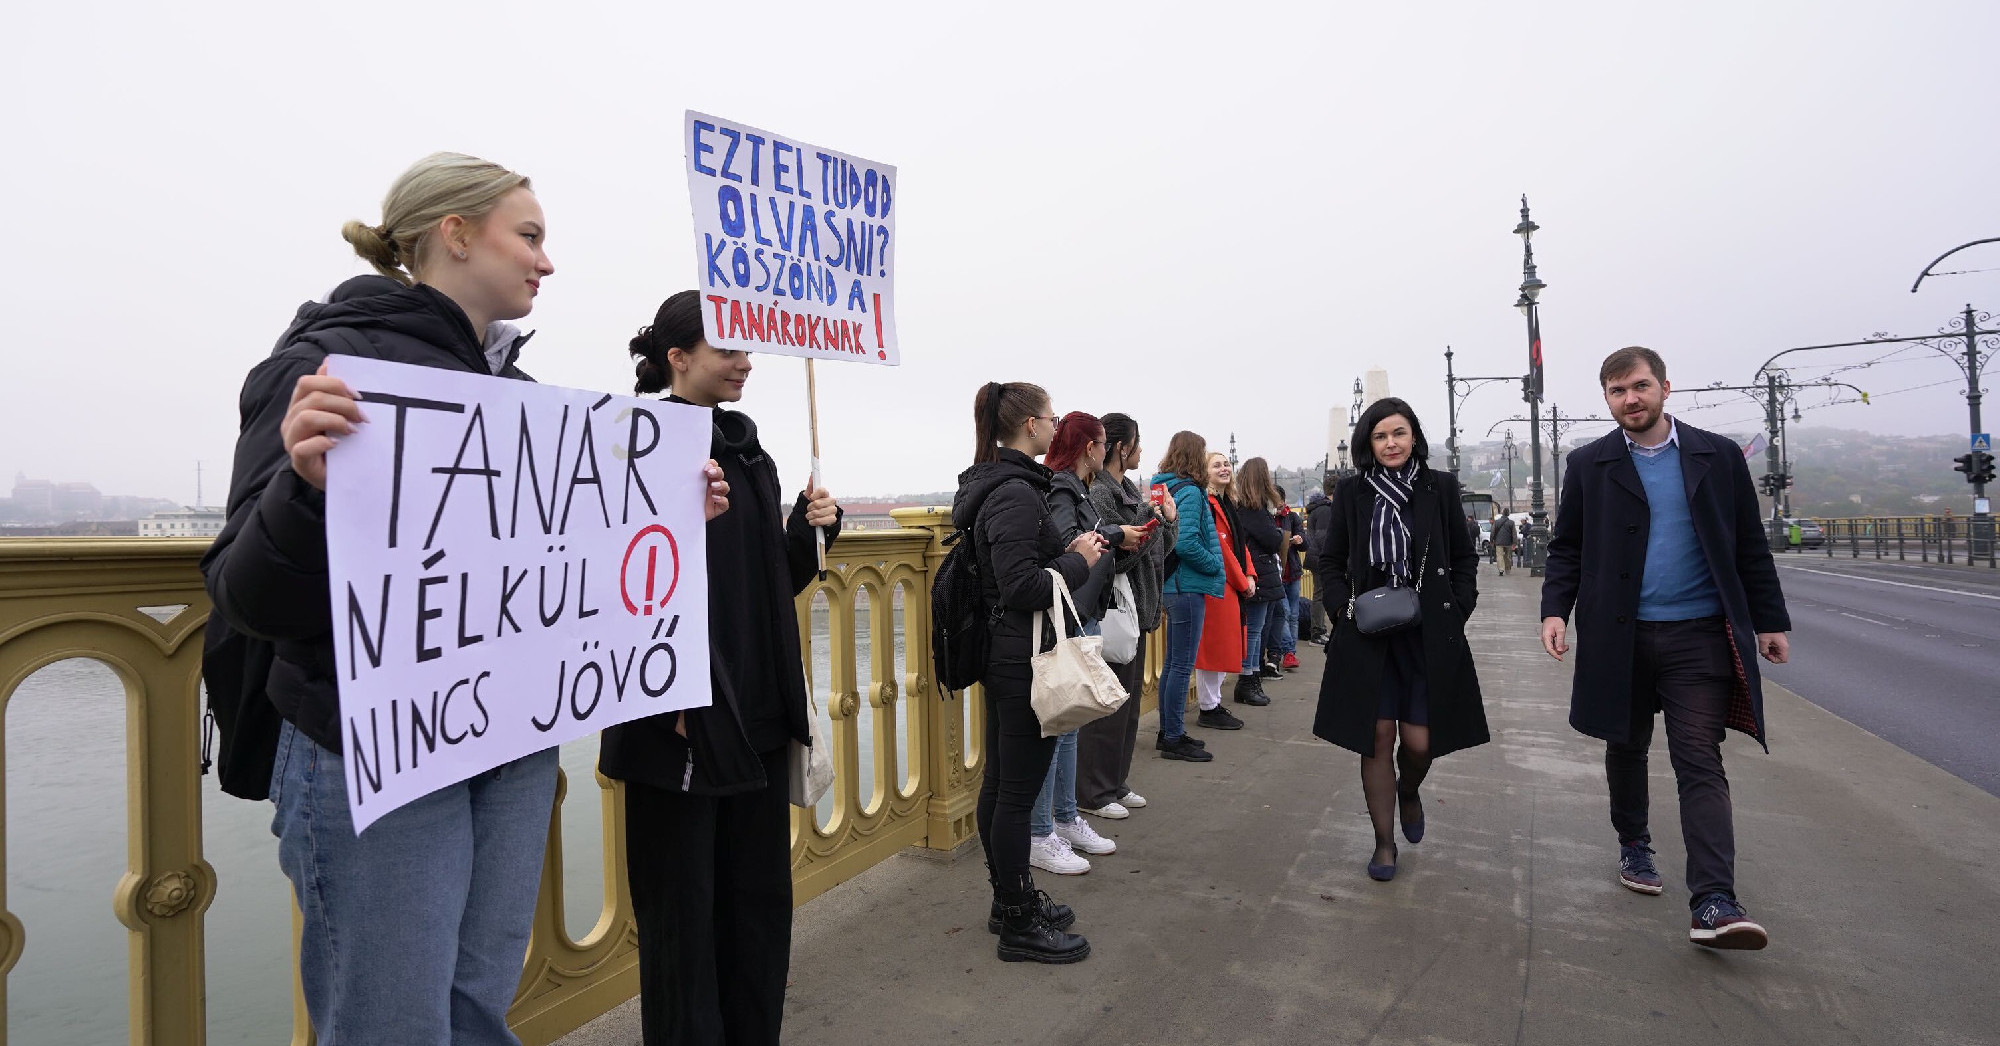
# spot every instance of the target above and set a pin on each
(652, 560)
(880, 354)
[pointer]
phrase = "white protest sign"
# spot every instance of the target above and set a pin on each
(794, 244)
(513, 566)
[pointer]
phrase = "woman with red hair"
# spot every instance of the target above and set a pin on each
(1055, 832)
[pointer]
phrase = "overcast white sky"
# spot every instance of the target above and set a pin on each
(1208, 216)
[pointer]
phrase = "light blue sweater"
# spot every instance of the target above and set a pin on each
(1677, 585)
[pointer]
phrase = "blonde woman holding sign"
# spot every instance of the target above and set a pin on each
(707, 798)
(414, 930)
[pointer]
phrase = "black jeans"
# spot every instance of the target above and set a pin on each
(1686, 670)
(1104, 746)
(712, 892)
(1017, 759)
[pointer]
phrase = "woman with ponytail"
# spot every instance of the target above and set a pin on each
(708, 843)
(1002, 505)
(414, 930)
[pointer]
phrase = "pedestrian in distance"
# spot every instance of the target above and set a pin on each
(1105, 746)
(414, 930)
(1396, 523)
(1319, 517)
(1222, 631)
(1057, 837)
(1002, 502)
(1253, 501)
(1293, 527)
(1193, 575)
(1504, 539)
(1660, 550)
(708, 816)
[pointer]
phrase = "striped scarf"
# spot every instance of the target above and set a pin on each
(1388, 534)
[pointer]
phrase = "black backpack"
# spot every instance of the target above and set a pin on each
(961, 620)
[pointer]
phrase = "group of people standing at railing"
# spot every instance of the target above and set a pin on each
(1658, 550)
(414, 931)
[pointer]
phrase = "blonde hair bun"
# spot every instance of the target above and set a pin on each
(433, 189)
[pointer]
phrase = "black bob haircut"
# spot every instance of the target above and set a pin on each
(1362, 449)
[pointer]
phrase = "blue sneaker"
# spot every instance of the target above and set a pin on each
(1719, 922)
(1635, 869)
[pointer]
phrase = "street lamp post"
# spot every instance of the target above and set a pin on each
(1455, 399)
(1531, 292)
(1507, 451)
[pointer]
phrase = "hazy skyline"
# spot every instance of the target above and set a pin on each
(1208, 218)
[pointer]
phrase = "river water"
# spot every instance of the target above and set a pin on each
(66, 849)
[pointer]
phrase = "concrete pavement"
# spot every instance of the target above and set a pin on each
(1237, 909)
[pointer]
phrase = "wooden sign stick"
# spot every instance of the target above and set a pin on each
(812, 409)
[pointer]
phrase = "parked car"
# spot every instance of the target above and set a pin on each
(1804, 533)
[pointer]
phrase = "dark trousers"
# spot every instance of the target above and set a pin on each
(712, 892)
(1684, 669)
(1017, 760)
(1104, 746)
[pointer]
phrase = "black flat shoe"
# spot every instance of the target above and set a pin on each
(1413, 827)
(1382, 873)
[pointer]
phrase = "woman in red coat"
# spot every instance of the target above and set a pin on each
(1222, 628)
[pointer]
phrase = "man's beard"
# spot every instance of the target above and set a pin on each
(1646, 420)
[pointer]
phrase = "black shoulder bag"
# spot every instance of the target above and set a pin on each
(1391, 608)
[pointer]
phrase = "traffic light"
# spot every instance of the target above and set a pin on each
(1970, 464)
(1982, 467)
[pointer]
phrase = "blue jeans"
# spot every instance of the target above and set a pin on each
(414, 930)
(1289, 607)
(1058, 799)
(1185, 613)
(1256, 618)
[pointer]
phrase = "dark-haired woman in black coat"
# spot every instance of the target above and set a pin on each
(708, 816)
(1398, 522)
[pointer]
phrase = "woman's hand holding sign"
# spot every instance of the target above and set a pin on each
(821, 509)
(718, 489)
(323, 409)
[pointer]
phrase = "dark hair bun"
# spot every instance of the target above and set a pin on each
(650, 378)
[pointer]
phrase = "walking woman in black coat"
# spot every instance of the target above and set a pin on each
(1002, 502)
(1398, 522)
(708, 816)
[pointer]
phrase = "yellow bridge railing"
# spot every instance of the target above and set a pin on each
(137, 606)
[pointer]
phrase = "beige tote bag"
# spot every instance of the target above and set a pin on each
(1072, 685)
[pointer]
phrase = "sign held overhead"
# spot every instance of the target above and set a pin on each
(795, 244)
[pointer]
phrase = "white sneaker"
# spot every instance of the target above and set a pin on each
(1051, 853)
(1111, 810)
(1133, 800)
(1081, 836)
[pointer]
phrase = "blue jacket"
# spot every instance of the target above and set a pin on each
(1198, 546)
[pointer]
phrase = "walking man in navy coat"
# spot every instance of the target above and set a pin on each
(1660, 549)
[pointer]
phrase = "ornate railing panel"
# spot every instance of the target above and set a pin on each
(137, 605)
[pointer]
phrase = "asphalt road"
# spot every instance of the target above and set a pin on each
(1908, 652)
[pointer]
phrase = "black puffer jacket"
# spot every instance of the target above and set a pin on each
(1004, 504)
(1258, 530)
(758, 560)
(1071, 509)
(267, 571)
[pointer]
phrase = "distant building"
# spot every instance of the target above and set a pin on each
(1375, 384)
(183, 523)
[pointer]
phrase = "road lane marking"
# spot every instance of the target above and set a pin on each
(1898, 584)
(1858, 617)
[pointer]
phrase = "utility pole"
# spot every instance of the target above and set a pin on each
(1555, 455)
(1531, 292)
(1982, 511)
(1772, 466)
(1451, 414)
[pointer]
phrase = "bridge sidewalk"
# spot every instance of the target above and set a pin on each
(1236, 909)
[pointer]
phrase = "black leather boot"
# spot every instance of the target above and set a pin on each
(1025, 932)
(1060, 916)
(1250, 691)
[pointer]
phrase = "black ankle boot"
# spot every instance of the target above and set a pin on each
(1059, 916)
(1250, 691)
(1025, 932)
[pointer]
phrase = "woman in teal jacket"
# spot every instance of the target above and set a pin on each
(1196, 574)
